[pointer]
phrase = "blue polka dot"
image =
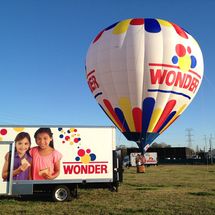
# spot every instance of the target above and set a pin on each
(175, 59)
(93, 157)
(152, 26)
(68, 131)
(79, 139)
(59, 129)
(77, 158)
(61, 136)
(193, 62)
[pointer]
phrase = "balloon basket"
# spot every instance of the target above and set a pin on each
(141, 169)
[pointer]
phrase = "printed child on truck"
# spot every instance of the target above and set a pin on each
(22, 159)
(46, 160)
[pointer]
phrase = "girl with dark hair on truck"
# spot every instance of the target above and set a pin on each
(46, 160)
(22, 159)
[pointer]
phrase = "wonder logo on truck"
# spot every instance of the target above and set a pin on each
(85, 164)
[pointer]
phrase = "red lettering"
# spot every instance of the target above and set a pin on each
(85, 169)
(158, 76)
(187, 81)
(98, 169)
(93, 85)
(67, 169)
(194, 85)
(176, 78)
(103, 168)
(76, 169)
(170, 80)
(180, 79)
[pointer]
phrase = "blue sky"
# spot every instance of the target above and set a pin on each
(43, 45)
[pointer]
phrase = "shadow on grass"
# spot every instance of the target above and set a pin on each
(146, 188)
(202, 193)
(33, 198)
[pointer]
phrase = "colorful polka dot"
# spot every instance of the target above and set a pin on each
(3, 131)
(67, 138)
(17, 129)
(183, 58)
(137, 21)
(189, 49)
(121, 27)
(77, 158)
(88, 151)
(180, 50)
(85, 159)
(68, 135)
(85, 156)
(175, 59)
(184, 63)
(152, 26)
(93, 157)
(193, 62)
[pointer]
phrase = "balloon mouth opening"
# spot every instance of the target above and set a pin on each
(142, 139)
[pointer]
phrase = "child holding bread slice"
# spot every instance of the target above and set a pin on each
(46, 159)
(22, 159)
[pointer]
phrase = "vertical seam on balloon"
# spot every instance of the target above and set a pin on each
(131, 123)
(143, 69)
(157, 95)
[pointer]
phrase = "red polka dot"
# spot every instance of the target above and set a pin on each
(75, 130)
(63, 141)
(67, 137)
(180, 50)
(76, 140)
(189, 49)
(81, 152)
(3, 132)
(88, 151)
(137, 22)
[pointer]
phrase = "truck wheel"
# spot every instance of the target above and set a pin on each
(61, 193)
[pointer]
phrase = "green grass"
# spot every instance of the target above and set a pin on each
(171, 189)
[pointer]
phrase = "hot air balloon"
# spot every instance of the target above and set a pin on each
(144, 73)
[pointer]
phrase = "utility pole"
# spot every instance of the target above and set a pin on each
(189, 137)
(210, 144)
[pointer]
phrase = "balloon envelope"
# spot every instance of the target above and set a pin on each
(144, 73)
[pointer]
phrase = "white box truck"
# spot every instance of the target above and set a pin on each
(88, 159)
(151, 158)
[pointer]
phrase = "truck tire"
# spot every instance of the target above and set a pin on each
(61, 193)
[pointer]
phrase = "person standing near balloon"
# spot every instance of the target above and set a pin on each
(22, 159)
(46, 160)
(140, 161)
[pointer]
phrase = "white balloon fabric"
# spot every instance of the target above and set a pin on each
(144, 73)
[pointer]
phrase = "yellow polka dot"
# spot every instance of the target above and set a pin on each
(184, 63)
(121, 27)
(78, 135)
(163, 22)
(85, 159)
(1, 138)
(18, 129)
(71, 129)
(71, 143)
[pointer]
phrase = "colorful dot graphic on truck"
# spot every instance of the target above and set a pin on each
(69, 135)
(184, 59)
(85, 156)
(18, 129)
(3, 132)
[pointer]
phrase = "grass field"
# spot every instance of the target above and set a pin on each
(165, 189)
